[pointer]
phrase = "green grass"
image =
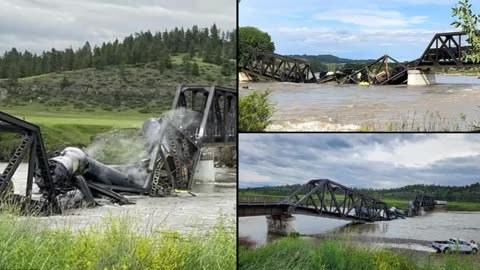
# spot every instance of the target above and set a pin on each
(70, 127)
(98, 100)
(300, 253)
(115, 244)
(44, 115)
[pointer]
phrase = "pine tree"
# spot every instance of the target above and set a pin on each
(211, 43)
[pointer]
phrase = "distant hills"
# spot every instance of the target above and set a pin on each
(328, 58)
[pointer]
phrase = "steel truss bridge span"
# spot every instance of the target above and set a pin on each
(322, 198)
(444, 50)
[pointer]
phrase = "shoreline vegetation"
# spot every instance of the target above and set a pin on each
(306, 253)
(401, 204)
(114, 244)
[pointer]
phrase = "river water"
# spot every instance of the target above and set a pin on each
(417, 232)
(183, 213)
(327, 107)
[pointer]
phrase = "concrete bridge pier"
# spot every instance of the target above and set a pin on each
(421, 77)
(281, 224)
(205, 171)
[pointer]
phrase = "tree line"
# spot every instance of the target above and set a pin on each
(468, 193)
(211, 44)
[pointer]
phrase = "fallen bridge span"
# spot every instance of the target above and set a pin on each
(201, 116)
(327, 199)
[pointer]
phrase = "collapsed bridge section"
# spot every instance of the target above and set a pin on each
(201, 116)
(277, 67)
(328, 199)
(322, 198)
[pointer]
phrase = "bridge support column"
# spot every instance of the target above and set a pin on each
(421, 77)
(205, 171)
(281, 224)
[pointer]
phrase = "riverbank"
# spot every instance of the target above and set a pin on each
(308, 253)
(114, 244)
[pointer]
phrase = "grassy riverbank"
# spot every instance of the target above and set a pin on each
(25, 244)
(299, 253)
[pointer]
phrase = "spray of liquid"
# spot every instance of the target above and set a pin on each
(133, 146)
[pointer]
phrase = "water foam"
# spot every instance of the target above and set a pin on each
(311, 126)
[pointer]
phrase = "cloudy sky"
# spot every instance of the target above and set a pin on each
(357, 29)
(37, 25)
(359, 160)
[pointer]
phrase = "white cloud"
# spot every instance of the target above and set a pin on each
(39, 24)
(371, 17)
(423, 153)
(253, 177)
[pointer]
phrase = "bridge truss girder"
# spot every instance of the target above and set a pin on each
(278, 67)
(202, 116)
(31, 143)
(383, 71)
(324, 197)
(445, 49)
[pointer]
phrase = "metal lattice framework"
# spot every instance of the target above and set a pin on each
(278, 67)
(383, 71)
(445, 49)
(424, 201)
(202, 116)
(323, 198)
(211, 113)
(31, 143)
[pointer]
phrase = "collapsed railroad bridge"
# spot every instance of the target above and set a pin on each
(327, 199)
(444, 50)
(201, 116)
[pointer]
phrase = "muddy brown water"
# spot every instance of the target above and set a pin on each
(411, 233)
(326, 107)
(183, 213)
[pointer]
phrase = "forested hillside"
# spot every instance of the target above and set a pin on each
(212, 45)
(76, 94)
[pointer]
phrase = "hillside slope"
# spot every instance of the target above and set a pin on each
(73, 107)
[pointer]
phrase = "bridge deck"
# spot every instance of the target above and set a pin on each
(246, 210)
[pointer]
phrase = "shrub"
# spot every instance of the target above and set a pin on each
(255, 112)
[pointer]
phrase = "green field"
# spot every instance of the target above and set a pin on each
(305, 253)
(71, 127)
(43, 115)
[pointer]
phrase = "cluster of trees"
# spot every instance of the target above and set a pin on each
(251, 37)
(468, 193)
(285, 190)
(212, 44)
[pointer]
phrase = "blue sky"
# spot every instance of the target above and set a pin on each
(359, 160)
(356, 29)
